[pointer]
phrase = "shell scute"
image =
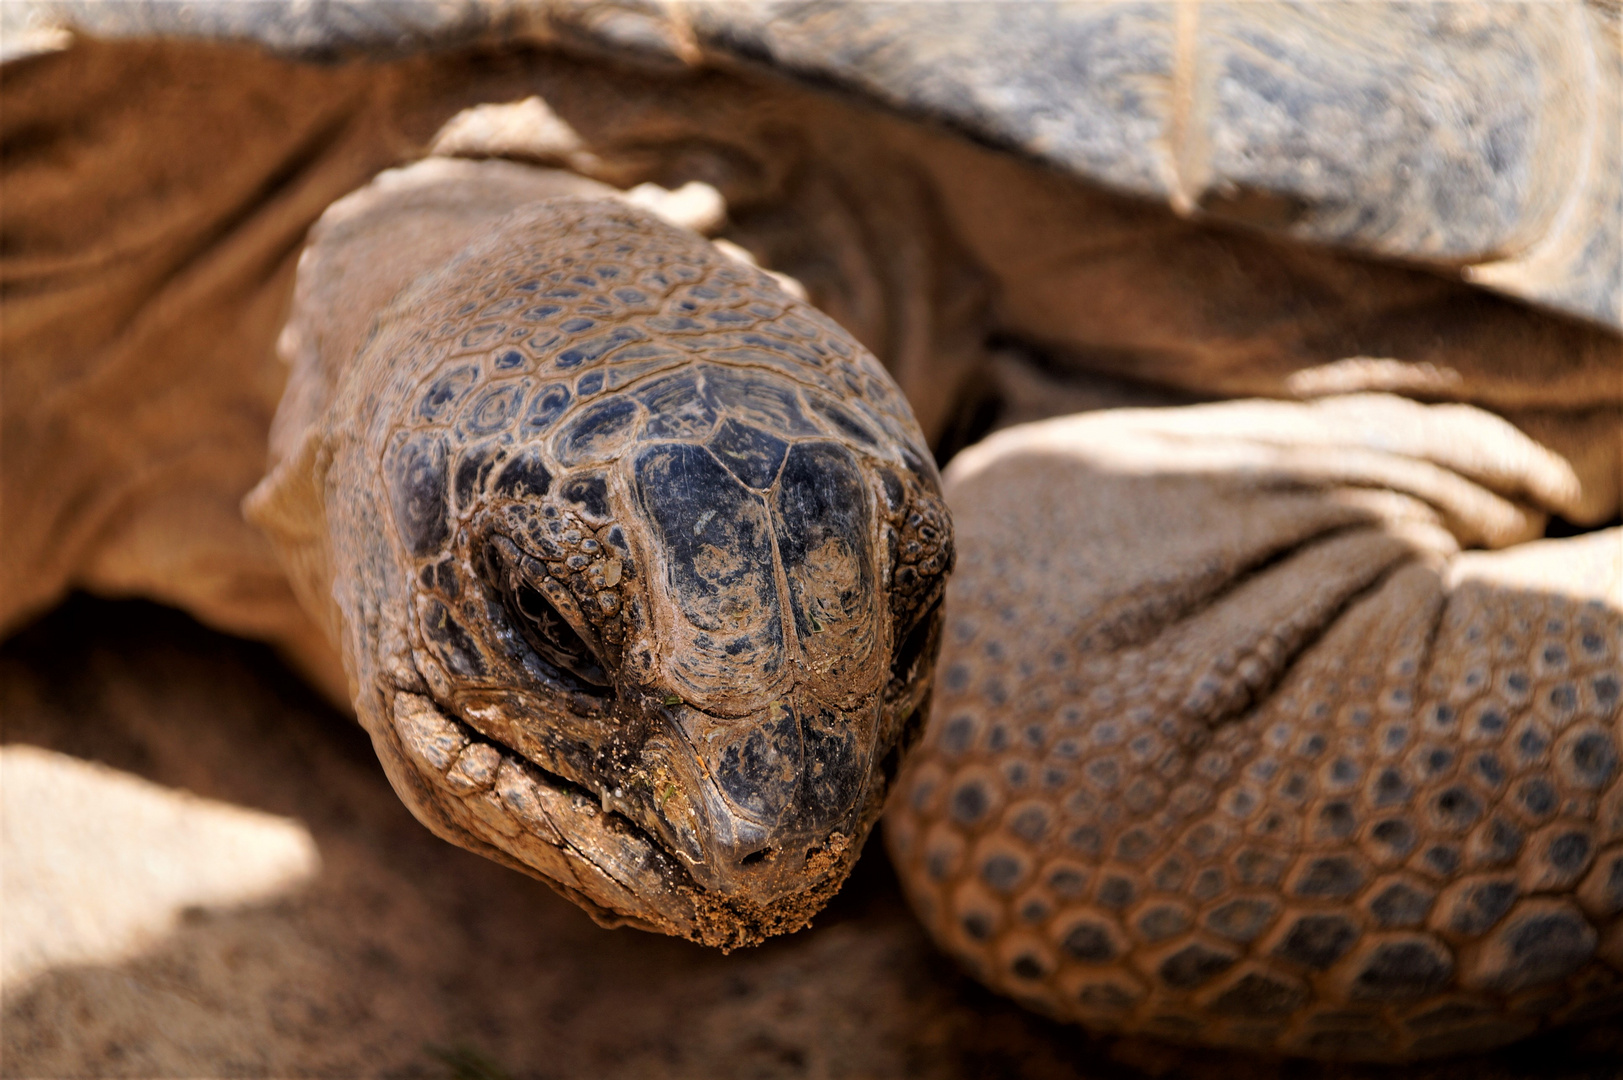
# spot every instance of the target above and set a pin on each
(749, 453)
(417, 490)
(481, 336)
(633, 364)
(824, 538)
(445, 393)
(598, 432)
(755, 400)
(493, 410)
(763, 339)
(546, 407)
(525, 476)
(591, 350)
(834, 769)
(718, 543)
(472, 471)
(677, 407)
(759, 769)
(841, 421)
(590, 496)
(502, 306)
(677, 324)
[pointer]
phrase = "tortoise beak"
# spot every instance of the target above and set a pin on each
(753, 804)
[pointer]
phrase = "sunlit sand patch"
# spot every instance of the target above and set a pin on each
(97, 864)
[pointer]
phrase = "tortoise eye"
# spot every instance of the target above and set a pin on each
(543, 626)
(550, 634)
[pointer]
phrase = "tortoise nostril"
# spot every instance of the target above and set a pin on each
(757, 858)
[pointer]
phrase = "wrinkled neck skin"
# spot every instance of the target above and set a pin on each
(635, 560)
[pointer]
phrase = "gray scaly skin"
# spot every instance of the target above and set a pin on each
(637, 561)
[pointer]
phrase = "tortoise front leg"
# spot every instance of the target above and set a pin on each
(1232, 743)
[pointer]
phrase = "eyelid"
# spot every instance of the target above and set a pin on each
(574, 652)
(512, 570)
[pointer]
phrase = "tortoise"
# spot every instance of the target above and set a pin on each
(641, 586)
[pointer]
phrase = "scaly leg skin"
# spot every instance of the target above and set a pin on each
(1233, 744)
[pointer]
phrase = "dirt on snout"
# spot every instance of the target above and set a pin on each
(366, 947)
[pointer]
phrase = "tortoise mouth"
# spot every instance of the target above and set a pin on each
(484, 793)
(586, 846)
(553, 779)
(604, 798)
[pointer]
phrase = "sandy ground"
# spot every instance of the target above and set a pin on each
(365, 947)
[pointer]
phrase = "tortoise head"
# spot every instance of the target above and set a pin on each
(661, 553)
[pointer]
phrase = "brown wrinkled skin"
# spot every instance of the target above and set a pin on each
(1164, 613)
